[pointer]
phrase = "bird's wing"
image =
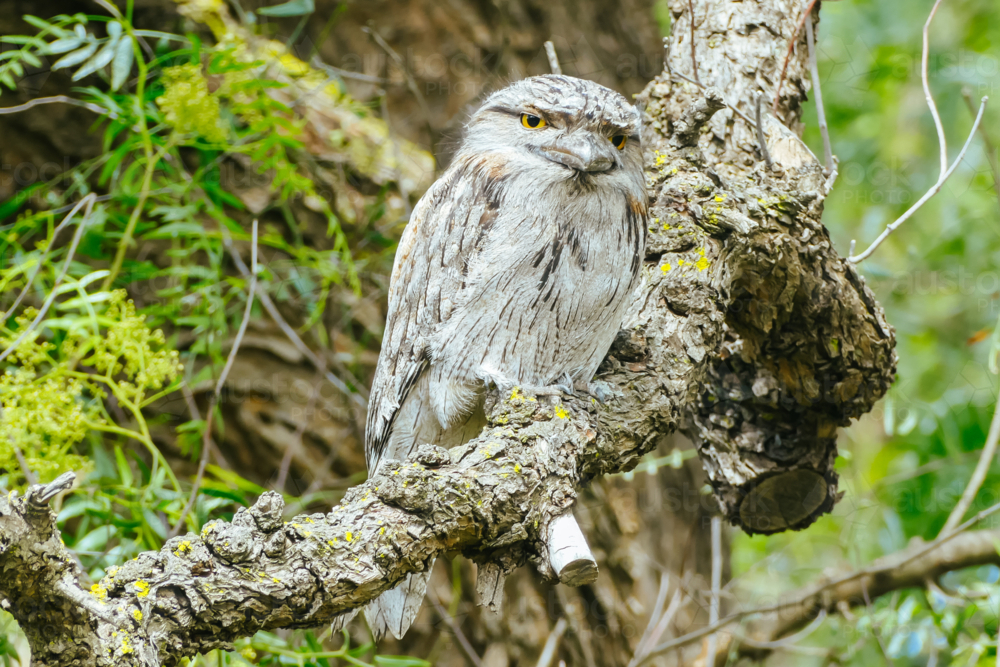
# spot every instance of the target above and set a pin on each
(446, 229)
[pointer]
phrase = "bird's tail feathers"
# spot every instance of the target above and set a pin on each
(395, 610)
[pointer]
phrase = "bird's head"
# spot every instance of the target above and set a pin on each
(564, 127)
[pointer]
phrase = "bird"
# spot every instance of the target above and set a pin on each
(515, 269)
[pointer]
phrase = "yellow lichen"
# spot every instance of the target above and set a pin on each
(183, 548)
(561, 412)
(665, 268)
(142, 587)
(348, 536)
(136, 614)
(702, 264)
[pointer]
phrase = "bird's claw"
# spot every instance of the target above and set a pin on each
(599, 391)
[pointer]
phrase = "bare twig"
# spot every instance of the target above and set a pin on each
(854, 259)
(41, 260)
(359, 396)
(659, 624)
(820, 111)
(788, 56)
(732, 108)
(88, 202)
(991, 150)
(552, 643)
(802, 599)
(411, 83)
(761, 141)
(29, 476)
(876, 631)
(661, 599)
(59, 99)
(785, 642)
(296, 443)
(348, 74)
(463, 641)
(207, 433)
(924, 56)
(550, 52)
(978, 475)
(713, 610)
(694, 56)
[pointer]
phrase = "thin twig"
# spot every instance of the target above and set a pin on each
(207, 433)
(29, 476)
(788, 56)
(713, 610)
(785, 642)
(820, 111)
(676, 604)
(348, 74)
(89, 199)
(45, 254)
(924, 57)
(694, 57)
(661, 599)
(411, 83)
(196, 415)
(552, 643)
(733, 108)
(819, 590)
(296, 443)
(761, 141)
(991, 151)
(876, 632)
(59, 99)
(550, 52)
(854, 259)
(360, 395)
(463, 641)
(979, 474)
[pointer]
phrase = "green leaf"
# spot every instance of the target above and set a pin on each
(37, 22)
(399, 661)
(102, 59)
(76, 57)
(122, 64)
(124, 472)
(63, 45)
(175, 230)
(97, 539)
(290, 8)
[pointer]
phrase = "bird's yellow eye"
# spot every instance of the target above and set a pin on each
(532, 122)
(619, 140)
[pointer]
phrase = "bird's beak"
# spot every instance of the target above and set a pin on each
(583, 153)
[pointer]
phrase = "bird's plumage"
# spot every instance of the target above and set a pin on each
(516, 268)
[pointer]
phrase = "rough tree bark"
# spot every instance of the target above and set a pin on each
(749, 333)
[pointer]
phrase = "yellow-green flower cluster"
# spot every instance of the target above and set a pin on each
(130, 347)
(188, 105)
